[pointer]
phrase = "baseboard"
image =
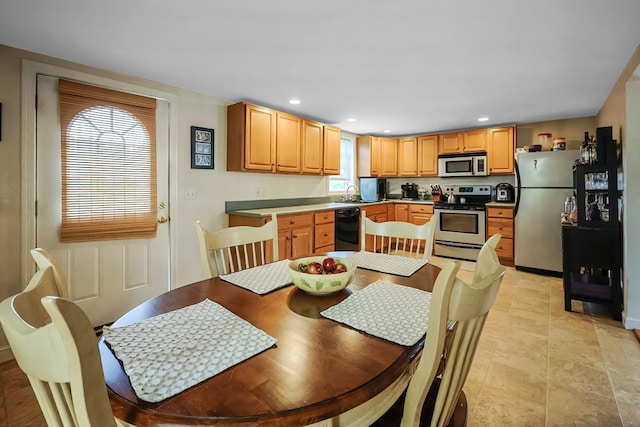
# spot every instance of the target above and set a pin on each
(5, 354)
(630, 322)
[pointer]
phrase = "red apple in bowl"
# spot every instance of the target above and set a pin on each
(339, 268)
(329, 264)
(314, 268)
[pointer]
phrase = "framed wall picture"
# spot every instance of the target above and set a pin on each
(201, 148)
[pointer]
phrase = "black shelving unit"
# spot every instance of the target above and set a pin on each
(591, 267)
(591, 251)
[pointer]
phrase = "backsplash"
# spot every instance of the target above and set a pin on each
(425, 182)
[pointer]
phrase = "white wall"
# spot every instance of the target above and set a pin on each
(214, 187)
(631, 242)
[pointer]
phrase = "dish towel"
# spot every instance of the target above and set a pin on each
(171, 352)
(386, 310)
(262, 279)
(385, 263)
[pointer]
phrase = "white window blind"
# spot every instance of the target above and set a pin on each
(108, 164)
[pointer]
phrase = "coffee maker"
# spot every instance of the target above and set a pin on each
(409, 191)
(505, 193)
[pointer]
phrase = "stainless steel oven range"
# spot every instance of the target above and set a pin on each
(461, 231)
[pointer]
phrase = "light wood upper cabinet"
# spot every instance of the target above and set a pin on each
(251, 138)
(369, 153)
(331, 151)
(312, 142)
(450, 142)
(263, 140)
(388, 157)
(288, 135)
(377, 156)
(474, 140)
(463, 142)
(407, 156)
(500, 150)
(428, 155)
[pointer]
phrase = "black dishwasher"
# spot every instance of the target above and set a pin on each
(347, 229)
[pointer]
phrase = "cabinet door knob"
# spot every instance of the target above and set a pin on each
(295, 236)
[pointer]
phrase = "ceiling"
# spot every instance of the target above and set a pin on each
(406, 66)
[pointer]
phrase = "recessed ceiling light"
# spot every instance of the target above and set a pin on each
(483, 119)
(294, 101)
(386, 131)
(351, 120)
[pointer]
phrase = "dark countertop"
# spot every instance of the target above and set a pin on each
(312, 207)
(501, 205)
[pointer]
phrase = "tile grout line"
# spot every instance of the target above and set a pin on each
(607, 369)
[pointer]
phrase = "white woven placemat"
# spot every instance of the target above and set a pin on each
(171, 352)
(392, 264)
(262, 279)
(394, 312)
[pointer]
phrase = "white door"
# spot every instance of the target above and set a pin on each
(107, 278)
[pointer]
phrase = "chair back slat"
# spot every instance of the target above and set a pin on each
(68, 382)
(457, 317)
(398, 237)
(237, 248)
(44, 259)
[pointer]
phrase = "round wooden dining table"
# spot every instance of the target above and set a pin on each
(317, 370)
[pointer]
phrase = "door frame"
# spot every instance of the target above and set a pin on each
(29, 71)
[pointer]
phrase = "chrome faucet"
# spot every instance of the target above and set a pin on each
(353, 197)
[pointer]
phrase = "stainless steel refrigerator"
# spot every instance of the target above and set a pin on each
(544, 180)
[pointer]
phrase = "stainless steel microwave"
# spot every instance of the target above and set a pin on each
(467, 164)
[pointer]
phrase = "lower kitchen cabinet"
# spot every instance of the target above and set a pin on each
(401, 212)
(376, 213)
(324, 231)
(591, 267)
(419, 213)
(295, 235)
(500, 220)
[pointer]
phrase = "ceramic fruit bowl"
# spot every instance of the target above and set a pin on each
(320, 275)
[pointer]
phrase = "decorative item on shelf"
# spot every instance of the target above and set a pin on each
(544, 140)
(593, 212)
(201, 148)
(421, 193)
(559, 144)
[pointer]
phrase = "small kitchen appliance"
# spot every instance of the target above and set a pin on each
(505, 193)
(467, 164)
(409, 191)
(373, 189)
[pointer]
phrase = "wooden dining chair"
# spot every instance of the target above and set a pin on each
(398, 237)
(237, 248)
(456, 319)
(55, 346)
(44, 259)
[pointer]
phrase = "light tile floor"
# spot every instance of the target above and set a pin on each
(536, 365)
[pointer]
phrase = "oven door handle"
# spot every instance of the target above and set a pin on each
(457, 245)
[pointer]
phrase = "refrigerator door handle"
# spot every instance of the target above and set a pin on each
(518, 189)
